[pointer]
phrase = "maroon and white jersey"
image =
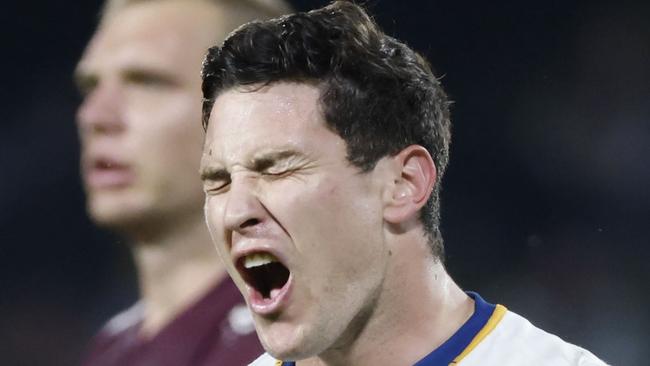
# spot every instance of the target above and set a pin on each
(216, 330)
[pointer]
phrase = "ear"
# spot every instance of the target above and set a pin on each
(413, 183)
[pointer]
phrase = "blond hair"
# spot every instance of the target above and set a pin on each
(243, 10)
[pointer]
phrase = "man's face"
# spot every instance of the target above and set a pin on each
(299, 228)
(139, 123)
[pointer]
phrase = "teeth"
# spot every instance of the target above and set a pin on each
(258, 259)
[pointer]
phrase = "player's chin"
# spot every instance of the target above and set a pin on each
(290, 344)
(114, 213)
(105, 213)
(288, 354)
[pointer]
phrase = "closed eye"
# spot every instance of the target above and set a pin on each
(215, 180)
(278, 173)
(216, 187)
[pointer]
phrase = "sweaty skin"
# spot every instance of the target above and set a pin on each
(348, 291)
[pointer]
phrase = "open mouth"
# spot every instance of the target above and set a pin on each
(264, 273)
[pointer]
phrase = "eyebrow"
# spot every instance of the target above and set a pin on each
(210, 173)
(258, 163)
(266, 160)
(84, 80)
(142, 74)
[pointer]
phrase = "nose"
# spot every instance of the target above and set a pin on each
(244, 213)
(101, 111)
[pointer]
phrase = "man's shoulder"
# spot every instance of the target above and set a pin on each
(206, 332)
(265, 360)
(124, 320)
(516, 341)
(117, 332)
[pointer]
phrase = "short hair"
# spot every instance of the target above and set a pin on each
(249, 9)
(379, 95)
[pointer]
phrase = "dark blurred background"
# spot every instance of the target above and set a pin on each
(546, 203)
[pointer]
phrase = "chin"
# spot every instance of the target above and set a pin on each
(289, 354)
(112, 220)
(290, 344)
(114, 213)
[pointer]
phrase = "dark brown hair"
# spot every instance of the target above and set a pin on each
(375, 92)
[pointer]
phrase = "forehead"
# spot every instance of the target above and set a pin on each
(278, 116)
(165, 34)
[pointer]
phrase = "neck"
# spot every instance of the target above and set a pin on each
(419, 309)
(175, 267)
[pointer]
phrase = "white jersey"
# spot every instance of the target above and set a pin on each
(514, 341)
(494, 336)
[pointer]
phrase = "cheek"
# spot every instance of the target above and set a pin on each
(331, 219)
(213, 212)
(168, 140)
(171, 120)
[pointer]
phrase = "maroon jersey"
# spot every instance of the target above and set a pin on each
(216, 330)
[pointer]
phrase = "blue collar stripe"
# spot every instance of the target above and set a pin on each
(454, 346)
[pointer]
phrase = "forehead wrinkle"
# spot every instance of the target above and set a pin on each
(235, 111)
(279, 154)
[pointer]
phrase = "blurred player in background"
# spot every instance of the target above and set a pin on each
(138, 126)
(326, 142)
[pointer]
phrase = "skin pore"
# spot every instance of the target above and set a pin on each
(364, 288)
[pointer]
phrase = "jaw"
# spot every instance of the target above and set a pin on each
(334, 331)
(284, 338)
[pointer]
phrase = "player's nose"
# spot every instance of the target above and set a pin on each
(101, 111)
(243, 211)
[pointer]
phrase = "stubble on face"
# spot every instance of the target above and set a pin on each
(326, 220)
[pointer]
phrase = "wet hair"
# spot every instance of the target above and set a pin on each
(376, 93)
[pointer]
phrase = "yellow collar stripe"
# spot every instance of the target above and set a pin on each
(496, 317)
